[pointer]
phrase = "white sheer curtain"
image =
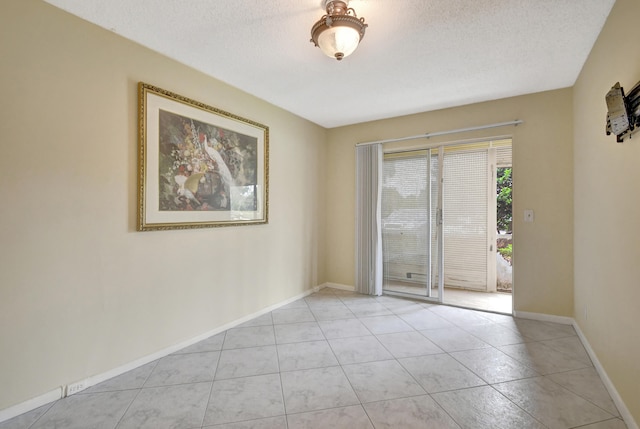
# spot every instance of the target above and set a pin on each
(368, 219)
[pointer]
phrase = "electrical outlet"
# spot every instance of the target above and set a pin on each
(75, 388)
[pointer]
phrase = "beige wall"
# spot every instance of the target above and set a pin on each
(80, 291)
(607, 208)
(543, 181)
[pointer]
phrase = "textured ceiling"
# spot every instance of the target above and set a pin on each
(417, 55)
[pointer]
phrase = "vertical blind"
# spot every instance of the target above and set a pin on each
(368, 221)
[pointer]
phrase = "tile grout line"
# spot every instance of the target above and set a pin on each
(206, 407)
(518, 406)
(403, 368)
(344, 373)
(284, 403)
(568, 354)
(139, 390)
(42, 415)
(580, 396)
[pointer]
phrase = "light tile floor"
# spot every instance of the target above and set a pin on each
(500, 302)
(340, 360)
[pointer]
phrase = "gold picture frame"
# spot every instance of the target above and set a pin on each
(198, 166)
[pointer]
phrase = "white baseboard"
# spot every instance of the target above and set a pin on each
(31, 404)
(544, 317)
(339, 286)
(80, 385)
(615, 396)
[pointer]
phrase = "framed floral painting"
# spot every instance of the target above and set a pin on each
(198, 166)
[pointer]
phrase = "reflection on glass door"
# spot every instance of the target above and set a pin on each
(410, 223)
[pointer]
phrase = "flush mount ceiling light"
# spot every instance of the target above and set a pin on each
(338, 33)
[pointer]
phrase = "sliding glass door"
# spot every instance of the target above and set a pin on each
(439, 219)
(411, 223)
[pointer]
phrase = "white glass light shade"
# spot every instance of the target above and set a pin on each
(338, 41)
